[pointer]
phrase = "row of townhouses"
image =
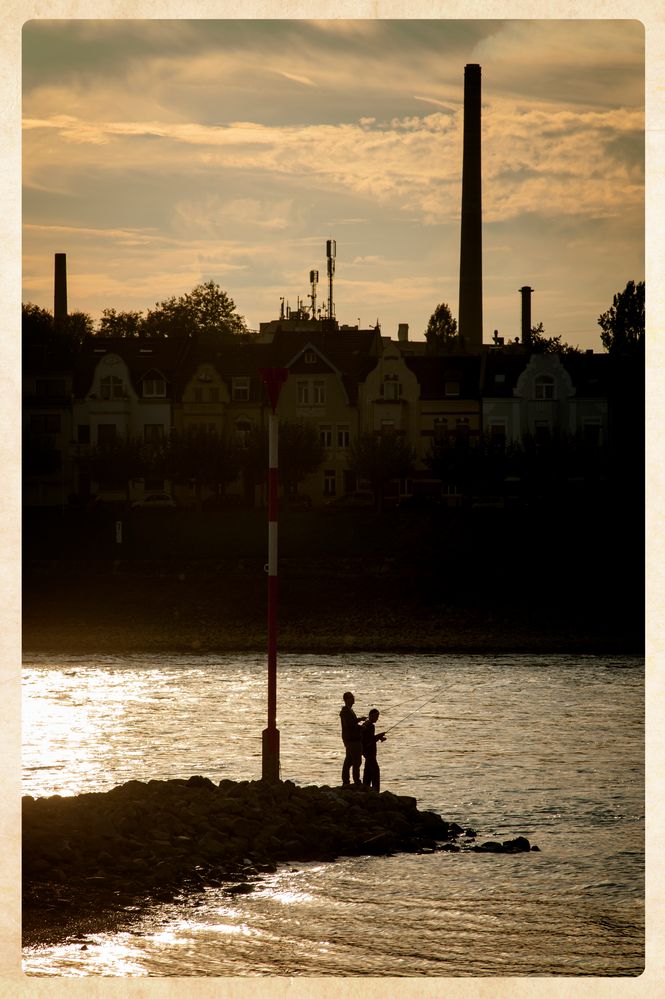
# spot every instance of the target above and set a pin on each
(344, 380)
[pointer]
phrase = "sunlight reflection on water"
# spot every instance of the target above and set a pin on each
(546, 747)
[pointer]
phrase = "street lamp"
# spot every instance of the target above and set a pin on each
(273, 379)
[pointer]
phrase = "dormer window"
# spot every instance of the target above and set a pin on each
(451, 390)
(240, 389)
(154, 386)
(544, 388)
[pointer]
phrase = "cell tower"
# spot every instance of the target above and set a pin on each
(331, 250)
(313, 280)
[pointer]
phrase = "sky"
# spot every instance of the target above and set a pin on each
(161, 154)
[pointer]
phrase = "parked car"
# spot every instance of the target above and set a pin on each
(154, 501)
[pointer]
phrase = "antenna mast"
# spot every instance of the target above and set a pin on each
(313, 279)
(331, 250)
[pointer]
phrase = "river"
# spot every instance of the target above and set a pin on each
(547, 747)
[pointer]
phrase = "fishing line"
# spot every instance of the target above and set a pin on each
(429, 701)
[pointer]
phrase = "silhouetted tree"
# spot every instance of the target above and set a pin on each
(116, 464)
(78, 327)
(36, 323)
(300, 453)
(205, 310)
(381, 458)
(541, 344)
(623, 323)
(38, 326)
(123, 324)
(441, 333)
(207, 459)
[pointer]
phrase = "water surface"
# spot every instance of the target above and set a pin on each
(547, 747)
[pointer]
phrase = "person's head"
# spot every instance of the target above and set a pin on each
(349, 699)
(373, 715)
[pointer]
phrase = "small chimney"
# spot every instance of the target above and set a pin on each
(403, 332)
(525, 292)
(60, 290)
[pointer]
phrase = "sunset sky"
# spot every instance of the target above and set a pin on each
(160, 154)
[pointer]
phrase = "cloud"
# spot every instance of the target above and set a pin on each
(535, 160)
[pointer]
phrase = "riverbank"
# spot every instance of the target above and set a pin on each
(91, 862)
(326, 606)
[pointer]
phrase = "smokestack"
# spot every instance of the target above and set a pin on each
(471, 246)
(403, 332)
(60, 290)
(525, 292)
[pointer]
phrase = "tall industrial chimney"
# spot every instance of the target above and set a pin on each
(471, 246)
(525, 292)
(60, 290)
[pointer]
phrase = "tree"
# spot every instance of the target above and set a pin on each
(38, 326)
(441, 333)
(541, 344)
(36, 323)
(116, 464)
(623, 324)
(381, 458)
(300, 453)
(207, 459)
(77, 327)
(205, 310)
(122, 324)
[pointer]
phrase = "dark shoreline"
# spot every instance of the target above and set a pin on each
(325, 607)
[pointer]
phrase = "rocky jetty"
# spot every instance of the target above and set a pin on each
(107, 853)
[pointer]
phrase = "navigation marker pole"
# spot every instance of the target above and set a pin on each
(273, 379)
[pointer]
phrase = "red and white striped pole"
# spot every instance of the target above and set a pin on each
(273, 379)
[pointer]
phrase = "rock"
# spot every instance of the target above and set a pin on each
(151, 839)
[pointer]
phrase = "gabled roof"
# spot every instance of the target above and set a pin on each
(140, 354)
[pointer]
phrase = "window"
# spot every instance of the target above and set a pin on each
(387, 426)
(499, 379)
(544, 387)
(240, 389)
(498, 434)
(451, 389)
(542, 431)
(45, 423)
(391, 389)
(329, 482)
(343, 436)
(310, 357)
(198, 395)
(243, 429)
(50, 387)
(107, 433)
(153, 386)
(325, 435)
(153, 433)
(319, 393)
(213, 394)
(440, 428)
(111, 387)
(462, 430)
(83, 433)
(303, 393)
(592, 433)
